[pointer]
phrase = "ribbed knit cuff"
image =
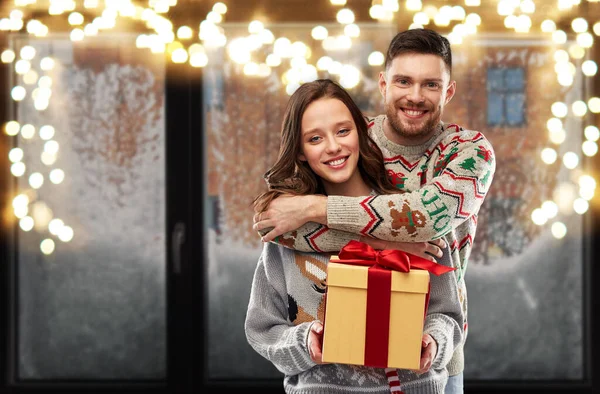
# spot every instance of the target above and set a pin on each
(301, 336)
(444, 349)
(342, 213)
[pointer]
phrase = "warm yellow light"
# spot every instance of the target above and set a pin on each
(273, 60)
(576, 51)
(349, 76)
(198, 59)
(586, 40)
(559, 109)
(589, 68)
(56, 176)
(589, 148)
(579, 25)
(559, 230)
(36, 180)
(472, 3)
(75, 19)
(550, 209)
(26, 223)
(592, 133)
(594, 104)
(548, 155)
(47, 246)
(47, 63)
(18, 93)
(17, 169)
(527, 6)
(255, 27)
(376, 58)
(179, 55)
(27, 131)
(548, 26)
(352, 30)
(538, 217)
(579, 108)
(65, 234)
(324, 63)
(46, 132)
(7, 56)
(15, 155)
(184, 33)
(55, 225)
(12, 128)
(250, 68)
(473, 19)
(338, 2)
(51, 147)
(557, 137)
(586, 182)
(581, 206)
(345, 16)
(554, 124)
(30, 77)
(561, 56)
(22, 66)
(219, 8)
(596, 28)
(413, 5)
(559, 37)
(570, 160)
(586, 194)
(77, 34)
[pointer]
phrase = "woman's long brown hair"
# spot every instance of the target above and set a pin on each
(290, 175)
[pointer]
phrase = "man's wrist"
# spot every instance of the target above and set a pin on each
(317, 209)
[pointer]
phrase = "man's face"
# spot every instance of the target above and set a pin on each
(415, 89)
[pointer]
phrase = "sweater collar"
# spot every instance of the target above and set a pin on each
(404, 150)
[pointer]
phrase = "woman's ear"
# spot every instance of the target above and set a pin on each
(301, 157)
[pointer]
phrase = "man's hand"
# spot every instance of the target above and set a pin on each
(288, 213)
(428, 353)
(427, 250)
(315, 342)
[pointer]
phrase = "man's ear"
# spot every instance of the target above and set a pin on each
(382, 84)
(301, 157)
(450, 90)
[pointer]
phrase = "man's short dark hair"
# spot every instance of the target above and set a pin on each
(423, 41)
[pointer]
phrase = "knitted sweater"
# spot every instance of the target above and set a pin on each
(445, 182)
(288, 295)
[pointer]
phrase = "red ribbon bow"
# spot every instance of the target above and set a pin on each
(360, 253)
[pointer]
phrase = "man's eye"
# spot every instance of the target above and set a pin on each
(433, 85)
(402, 81)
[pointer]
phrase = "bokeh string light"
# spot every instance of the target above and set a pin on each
(260, 52)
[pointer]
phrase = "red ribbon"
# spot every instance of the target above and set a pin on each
(379, 282)
(359, 253)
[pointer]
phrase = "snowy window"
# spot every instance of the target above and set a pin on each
(506, 97)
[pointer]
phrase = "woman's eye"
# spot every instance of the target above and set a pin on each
(344, 131)
(314, 139)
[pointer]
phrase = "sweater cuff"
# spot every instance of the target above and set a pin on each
(343, 213)
(302, 331)
(445, 348)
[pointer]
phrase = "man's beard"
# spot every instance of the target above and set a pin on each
(412, 132)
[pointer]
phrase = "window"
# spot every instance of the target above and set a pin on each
(506, 97)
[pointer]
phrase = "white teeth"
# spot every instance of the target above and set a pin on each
(413, 113)
(336, 162)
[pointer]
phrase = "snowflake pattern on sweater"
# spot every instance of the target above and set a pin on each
(445, 182)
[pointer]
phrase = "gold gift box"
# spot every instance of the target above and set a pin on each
(345, 315)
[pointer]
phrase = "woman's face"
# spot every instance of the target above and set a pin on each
(330, 144)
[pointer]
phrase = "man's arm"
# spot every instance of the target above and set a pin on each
(452, 196)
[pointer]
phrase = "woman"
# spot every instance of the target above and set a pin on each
(325, 148)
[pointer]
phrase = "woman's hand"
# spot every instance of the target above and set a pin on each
(427, 250)
(315, 342)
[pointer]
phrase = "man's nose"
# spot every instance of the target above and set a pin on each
(416, 94)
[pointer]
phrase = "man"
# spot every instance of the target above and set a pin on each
(444, 170)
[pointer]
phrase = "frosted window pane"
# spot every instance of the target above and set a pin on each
(96, 307)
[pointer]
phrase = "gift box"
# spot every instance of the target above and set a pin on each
(375, 307)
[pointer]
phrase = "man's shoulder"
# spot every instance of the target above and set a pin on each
(453, 132)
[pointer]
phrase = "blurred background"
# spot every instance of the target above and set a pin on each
(135, 135)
